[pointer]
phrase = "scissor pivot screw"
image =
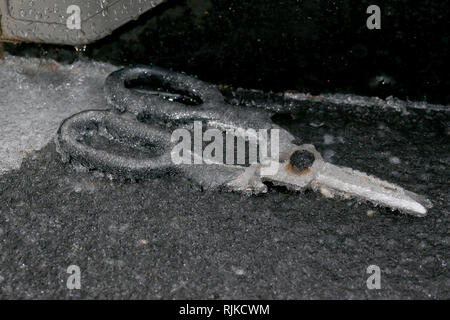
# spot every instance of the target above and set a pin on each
(300, 161)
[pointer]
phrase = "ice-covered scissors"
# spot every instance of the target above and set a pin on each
(147, 104)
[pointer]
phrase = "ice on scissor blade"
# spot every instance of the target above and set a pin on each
(349, 182)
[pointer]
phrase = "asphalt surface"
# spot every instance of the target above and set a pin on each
(167, 238)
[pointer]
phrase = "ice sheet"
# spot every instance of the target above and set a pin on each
(36, 95)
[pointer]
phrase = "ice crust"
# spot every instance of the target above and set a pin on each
(36, 95)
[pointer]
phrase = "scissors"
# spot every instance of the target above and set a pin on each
(147, 103)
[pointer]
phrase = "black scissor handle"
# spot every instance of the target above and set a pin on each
(134, 122)
(124, 128)
(176, 97)
(168, 95)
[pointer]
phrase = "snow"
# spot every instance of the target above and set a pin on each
(36, 95)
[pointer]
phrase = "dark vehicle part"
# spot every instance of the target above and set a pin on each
(68, 22)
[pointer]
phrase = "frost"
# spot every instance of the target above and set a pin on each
(328, 139)
(395, 160)
(36, 95)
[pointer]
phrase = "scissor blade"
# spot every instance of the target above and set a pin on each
(333, 179)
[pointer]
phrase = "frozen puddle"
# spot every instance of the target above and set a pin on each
(36, 95)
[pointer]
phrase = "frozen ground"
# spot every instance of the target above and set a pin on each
(36, 95)
(166, 238)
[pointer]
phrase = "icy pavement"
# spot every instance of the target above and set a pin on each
(36, 95)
